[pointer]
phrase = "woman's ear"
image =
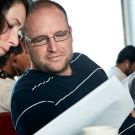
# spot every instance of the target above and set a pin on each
(22, 42)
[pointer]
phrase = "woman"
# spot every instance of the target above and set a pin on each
(12, 17)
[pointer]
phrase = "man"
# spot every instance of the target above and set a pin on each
(57, 78)
(15, 61)
(125, 63)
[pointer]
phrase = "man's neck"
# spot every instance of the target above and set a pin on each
(121, 67)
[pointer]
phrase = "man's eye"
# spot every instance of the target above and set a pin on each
(60, 35)
(39, 40)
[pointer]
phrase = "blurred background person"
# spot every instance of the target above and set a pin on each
(12, 17)
(125, 63)
(12, 64)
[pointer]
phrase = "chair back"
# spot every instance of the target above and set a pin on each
(6, 126)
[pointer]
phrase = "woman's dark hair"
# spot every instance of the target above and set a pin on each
(2, 17)
(2, 22)
(9, 3)
(5, 5)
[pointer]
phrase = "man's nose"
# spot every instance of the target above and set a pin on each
(52, 45)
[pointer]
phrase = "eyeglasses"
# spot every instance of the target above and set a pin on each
(42, 40)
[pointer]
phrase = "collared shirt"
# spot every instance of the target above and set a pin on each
(117, 72)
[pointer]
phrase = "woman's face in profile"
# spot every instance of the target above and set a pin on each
(15, 18)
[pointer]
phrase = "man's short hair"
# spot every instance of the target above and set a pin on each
(127, 53)
(16, 50)
(49, 3)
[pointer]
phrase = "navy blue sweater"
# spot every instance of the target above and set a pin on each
(38, 97)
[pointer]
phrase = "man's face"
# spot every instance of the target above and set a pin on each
(131, 69)
(53, 57)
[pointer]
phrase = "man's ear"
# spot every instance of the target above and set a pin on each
(22, 42)
(127, 63)
(70, 29)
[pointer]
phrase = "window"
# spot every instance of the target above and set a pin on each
(97, 29)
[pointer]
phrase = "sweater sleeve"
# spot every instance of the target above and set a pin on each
(28, 111)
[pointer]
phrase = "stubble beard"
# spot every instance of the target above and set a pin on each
(48, 68)
(128, 72)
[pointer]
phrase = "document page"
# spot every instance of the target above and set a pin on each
(109, 104)
(127, 81)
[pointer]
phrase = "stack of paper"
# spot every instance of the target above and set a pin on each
(108, 104)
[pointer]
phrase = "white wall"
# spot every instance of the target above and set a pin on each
(97, 29)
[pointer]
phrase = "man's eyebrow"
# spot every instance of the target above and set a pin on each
(38, 37)
(61, 31)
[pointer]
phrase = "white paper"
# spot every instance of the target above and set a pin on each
(109, 104)
(127, 81)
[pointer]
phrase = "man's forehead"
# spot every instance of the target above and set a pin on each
(39, 17)
(40, 12)
(43, 8)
